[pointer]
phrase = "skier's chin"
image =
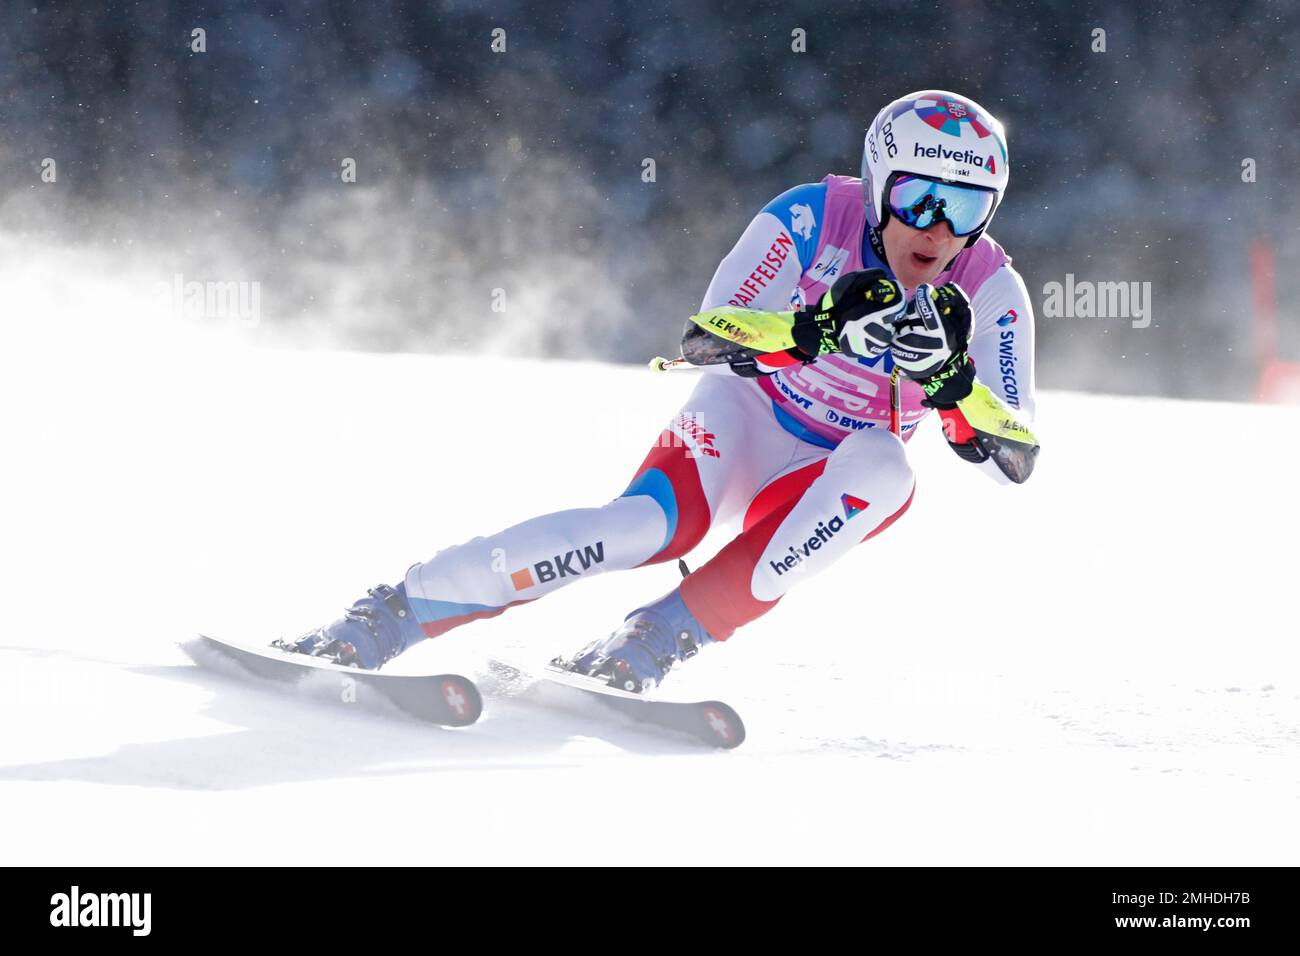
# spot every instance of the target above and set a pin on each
(918, 267)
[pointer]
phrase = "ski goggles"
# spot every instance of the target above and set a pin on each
(921, 202)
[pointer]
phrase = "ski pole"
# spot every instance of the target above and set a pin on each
(895, 403)
(661, 364)
(895, 385)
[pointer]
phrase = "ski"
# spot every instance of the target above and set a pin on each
(446, 699)
(708, 721)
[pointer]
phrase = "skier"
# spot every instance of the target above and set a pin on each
(889, 270)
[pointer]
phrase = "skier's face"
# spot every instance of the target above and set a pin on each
(919, 255)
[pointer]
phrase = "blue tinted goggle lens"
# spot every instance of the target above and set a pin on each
(922, 202)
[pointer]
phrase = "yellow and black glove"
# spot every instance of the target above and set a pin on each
(855, 316)
(930, 343)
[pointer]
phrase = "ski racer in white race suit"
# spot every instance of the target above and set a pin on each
(788, 431)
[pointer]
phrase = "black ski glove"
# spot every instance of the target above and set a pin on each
(930, 342)
(855, 317)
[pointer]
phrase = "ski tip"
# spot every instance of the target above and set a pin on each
(464, 703)
(200, 645)
(721, 724)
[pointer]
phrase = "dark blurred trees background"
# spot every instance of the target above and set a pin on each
(521, 170)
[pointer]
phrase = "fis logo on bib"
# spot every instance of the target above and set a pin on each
(129, 910)
(568, 565)
(828, 264)
(821, 535)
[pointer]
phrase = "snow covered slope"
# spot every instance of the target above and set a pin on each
(1128, 695)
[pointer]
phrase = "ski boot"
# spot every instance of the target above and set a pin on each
(370, 633)
(640, 653)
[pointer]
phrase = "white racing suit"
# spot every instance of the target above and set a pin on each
(802, 457)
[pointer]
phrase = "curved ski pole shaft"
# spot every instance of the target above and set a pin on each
(895, 403)
(661, 364)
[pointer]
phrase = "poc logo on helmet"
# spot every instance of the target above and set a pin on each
(887, 134)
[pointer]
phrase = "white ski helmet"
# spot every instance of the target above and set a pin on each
(941, 138)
